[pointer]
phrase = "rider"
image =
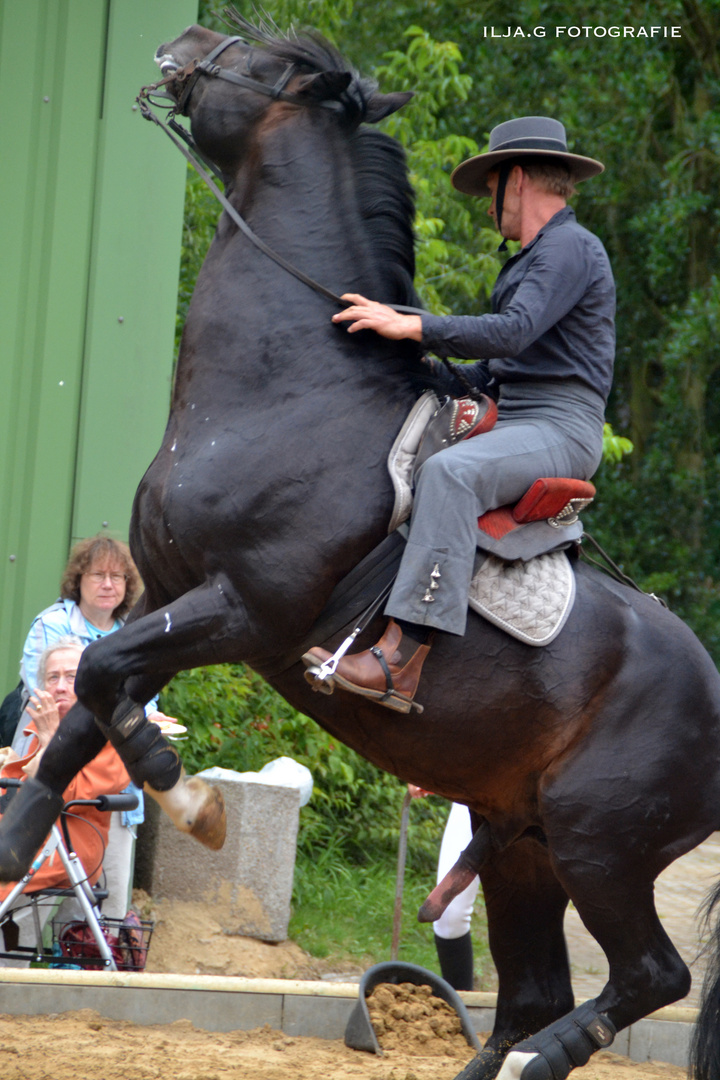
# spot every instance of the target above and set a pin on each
(546, 352)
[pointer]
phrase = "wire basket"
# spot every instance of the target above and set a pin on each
(128, 938)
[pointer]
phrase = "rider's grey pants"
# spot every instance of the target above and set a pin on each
(543, 429)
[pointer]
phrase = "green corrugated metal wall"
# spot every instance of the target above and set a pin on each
(90, 227)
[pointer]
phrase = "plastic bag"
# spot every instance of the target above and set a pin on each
(282, 772)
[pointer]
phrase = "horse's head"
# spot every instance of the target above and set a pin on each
(225, 85)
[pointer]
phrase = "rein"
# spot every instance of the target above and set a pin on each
(188, 76)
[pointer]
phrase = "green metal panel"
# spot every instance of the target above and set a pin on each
(51, 58)
(133, 294)
(90, 219)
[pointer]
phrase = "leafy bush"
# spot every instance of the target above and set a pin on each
(237, 721)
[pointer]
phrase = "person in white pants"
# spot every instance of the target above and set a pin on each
(453, 941)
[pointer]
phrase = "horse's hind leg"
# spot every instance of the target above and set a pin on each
(611, 886)
(646, 973)
(525, 906)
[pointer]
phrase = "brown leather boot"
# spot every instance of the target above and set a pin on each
(388, 672)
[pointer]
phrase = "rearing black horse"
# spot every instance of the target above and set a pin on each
(589, 765)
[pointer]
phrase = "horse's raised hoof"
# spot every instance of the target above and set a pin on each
(195, 807)
(31, 813)
(210, 824)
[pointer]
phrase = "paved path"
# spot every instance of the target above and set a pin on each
(679, 891)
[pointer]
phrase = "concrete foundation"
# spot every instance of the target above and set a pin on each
(249, 881)
(297, 1008)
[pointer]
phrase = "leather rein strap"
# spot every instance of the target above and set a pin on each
(189, 76)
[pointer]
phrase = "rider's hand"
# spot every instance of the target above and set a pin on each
(364, 314)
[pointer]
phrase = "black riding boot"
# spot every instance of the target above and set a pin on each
(30, 815)
(456, 960)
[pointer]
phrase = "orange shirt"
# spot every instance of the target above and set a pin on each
(104, 775)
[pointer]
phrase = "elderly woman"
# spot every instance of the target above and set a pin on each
(105, 775)
(99, 586)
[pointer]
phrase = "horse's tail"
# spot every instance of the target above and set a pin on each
(705, 1048)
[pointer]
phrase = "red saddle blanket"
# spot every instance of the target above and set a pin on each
(557, 500)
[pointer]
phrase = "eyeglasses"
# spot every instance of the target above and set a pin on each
(98, 576)
(54, 677)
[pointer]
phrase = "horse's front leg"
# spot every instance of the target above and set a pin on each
(612, 889)
(36, 805)
(202, 627)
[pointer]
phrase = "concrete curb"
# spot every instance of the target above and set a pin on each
(296, 1007)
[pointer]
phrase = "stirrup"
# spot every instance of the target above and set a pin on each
(320, 676)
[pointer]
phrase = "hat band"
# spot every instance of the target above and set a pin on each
(531, 144)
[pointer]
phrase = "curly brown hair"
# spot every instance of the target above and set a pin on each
(101, 549)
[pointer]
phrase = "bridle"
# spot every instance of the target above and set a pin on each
(192, 71)
(188, 77)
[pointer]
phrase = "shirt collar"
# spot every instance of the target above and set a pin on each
(566, 214)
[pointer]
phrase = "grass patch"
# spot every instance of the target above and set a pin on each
(343, 914)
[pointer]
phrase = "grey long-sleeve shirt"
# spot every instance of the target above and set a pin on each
(553, 315)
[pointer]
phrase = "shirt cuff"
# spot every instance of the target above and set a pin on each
(433, 335)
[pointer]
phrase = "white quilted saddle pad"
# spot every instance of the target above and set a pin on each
(530, 600)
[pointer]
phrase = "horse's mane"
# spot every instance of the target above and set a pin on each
(385, 196)
(387, 204)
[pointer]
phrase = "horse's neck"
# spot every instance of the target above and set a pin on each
(299, 189)
(297, 192)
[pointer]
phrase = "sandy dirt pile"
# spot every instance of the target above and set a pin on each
(188, 939)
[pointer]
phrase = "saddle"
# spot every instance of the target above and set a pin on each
(523, 580)
(552, 502)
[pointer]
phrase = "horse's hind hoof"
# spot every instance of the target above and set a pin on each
(210, 825)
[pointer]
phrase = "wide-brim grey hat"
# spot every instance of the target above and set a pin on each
(527, 136)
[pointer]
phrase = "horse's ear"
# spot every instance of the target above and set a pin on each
(381, 105)
(324, 86)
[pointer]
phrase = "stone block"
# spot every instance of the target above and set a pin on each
(661, 1040)
(249, 881)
